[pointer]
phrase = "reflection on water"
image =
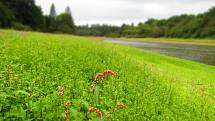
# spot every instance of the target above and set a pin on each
(201, 53)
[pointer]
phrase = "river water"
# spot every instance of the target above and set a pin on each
(200, 53)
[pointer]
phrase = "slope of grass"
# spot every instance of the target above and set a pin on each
(151, 86)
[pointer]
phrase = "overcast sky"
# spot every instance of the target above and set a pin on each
(116, 12)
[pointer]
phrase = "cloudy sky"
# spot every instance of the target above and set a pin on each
(117, 12)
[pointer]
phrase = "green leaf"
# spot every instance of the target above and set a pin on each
(22, 92)
(97, 95)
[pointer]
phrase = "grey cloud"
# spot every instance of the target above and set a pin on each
(160, 1)
(126, 11)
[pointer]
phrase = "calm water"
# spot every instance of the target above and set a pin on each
(200, 53)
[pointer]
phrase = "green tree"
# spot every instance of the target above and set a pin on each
(50, 21)
(208, 29)
(65, 22)
(70, 18)
(6, 16)
(26, 12)
(53, 13)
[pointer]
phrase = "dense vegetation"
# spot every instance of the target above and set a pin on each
(34, 67)
(25, 15)
(183, 26)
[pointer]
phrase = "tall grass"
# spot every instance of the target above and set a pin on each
(34, 65)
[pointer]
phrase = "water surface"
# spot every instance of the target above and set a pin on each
(200, 53)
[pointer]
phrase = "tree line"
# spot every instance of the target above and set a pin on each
(25, 15)
(182, 26)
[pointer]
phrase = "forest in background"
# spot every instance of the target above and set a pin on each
(25, 15)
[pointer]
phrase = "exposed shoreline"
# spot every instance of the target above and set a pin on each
(209, 42)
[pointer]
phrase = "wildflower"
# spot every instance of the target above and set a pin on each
(99, 113)
(93, 87)
(120, 105)
(108, 116)
(99, 75)
(61, 90)
(67, 104)
(108, 72)
(91, 109)
(67, 115)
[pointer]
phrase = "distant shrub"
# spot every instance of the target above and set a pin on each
(19, 26)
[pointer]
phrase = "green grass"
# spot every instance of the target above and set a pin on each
(152, 86)
(210, 42)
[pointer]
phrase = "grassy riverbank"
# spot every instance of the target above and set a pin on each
(151, 86)
(210, 42)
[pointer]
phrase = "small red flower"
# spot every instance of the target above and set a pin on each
(99, 113)
(67, 104)
(67, 115)
(120, 105)
(66, 111)
(108, 72)
(99, 75)
(91, 109)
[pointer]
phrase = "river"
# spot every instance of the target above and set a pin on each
(200, 53)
